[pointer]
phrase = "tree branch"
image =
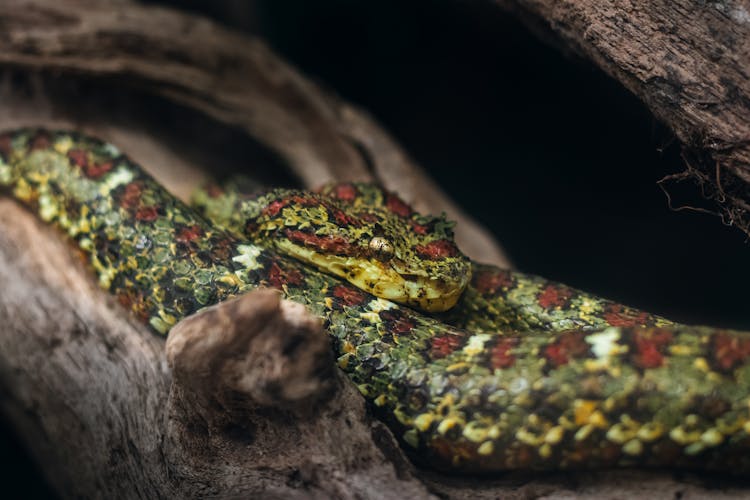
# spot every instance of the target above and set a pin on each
(688, 61)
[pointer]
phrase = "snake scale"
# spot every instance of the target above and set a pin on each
(515, 372)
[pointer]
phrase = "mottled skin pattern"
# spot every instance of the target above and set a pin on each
(495, 299)
(366, 245)
(498, 299)
(482, 401)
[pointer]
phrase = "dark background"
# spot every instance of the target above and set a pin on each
(553, 156)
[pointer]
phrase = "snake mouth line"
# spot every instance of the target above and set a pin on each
(383, 280)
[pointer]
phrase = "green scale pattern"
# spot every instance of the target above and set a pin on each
(545, 377)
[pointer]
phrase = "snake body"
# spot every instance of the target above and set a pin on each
(545, 378)
(495, 300)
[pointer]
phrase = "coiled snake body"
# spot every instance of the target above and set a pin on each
(521, 373)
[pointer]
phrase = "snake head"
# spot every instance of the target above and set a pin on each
(427, 270)
(394, 254)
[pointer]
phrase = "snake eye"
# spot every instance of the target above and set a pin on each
(381, 248)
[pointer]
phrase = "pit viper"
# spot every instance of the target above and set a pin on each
(520, 373)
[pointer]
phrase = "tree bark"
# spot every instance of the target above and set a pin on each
(688, 61)
(244, 399)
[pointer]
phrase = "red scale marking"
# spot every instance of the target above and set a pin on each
(277, 276)
(368, 217)
(306, 201)
(397, 322)
(189, 234)
(348, 296)
(619, 315)
(146, 214)
(554, 295)
(345, 192)
(419, 228)
(569, 345)
(444, 345)
(501, 356)
(397, 205)
(131, 196)
(273, 208)
(438, 249)
(80, 159)
(328, 244)
(729, 351)
(650, 346)
(96, 170)
(490, 281)
(343, 219)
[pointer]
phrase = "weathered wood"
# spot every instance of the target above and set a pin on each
(255, 397)
(688, 61)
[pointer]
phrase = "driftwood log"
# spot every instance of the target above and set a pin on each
(243, 399)
(688, 61)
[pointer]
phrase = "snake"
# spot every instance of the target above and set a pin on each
(485, 370)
